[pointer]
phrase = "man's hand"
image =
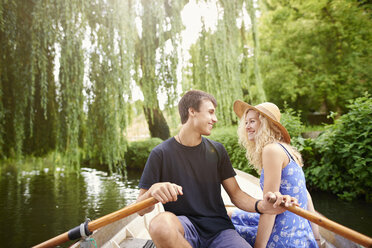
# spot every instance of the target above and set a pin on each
(165, 192)
(272, 203)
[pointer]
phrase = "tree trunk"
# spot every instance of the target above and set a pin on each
(157, 124)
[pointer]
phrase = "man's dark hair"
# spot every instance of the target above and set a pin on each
(193, 99)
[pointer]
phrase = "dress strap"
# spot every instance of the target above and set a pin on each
(286, 151)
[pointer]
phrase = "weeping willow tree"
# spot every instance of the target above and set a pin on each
(65, 74)
(71, 75)
(42, 109)
(66, 70)
(112, 28)
(220, 64)
(15, 73)
(157, 58)
(256, 50)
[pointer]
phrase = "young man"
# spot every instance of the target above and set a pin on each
(185, 173)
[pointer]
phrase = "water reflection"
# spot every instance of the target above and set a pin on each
(36, 205)
(356, 215)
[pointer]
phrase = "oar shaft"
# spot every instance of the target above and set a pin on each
(122, 213)
(60, 239)
(332, 226)
(105, 220)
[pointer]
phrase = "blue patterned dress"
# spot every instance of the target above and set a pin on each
(289, 230)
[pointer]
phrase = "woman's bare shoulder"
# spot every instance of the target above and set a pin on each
(272, 148)
(274, 152)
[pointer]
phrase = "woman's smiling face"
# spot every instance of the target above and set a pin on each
(252, 124)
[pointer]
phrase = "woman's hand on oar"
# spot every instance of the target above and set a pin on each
(272, 203)
(328, 224)
(281, 200)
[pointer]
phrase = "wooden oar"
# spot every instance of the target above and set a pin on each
(330, 225)
(105, 220)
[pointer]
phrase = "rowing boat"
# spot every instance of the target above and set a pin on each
(132, 232)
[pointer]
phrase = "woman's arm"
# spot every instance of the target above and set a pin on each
(273, 161)
(265, 226)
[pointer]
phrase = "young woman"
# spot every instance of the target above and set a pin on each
(268, 149)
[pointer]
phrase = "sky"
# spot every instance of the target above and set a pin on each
(192, 15)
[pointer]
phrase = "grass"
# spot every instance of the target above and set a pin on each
(314, 128)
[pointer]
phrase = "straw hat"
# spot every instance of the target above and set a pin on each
(267, 109)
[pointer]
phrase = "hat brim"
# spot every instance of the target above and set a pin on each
(240, 107)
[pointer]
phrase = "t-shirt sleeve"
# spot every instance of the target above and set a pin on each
(152, 171)
(226, 169)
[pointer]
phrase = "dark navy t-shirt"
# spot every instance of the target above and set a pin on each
(200, 171)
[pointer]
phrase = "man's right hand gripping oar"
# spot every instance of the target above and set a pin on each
(163, 192)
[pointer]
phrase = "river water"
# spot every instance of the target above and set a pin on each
(37, 204)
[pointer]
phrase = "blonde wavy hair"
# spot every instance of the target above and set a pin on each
(267, 133)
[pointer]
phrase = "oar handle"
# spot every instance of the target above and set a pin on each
(329, 224)
(105, 220)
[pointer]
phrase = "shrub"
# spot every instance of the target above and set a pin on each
(341, 155)
(138, 152)
(292, 122)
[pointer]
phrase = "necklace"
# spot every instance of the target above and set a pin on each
(179, 139)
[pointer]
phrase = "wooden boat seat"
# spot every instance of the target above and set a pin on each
(136, 243)
(247, 183)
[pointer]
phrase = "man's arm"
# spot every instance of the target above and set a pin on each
(163, 192)
(238, 197)
(246, 202)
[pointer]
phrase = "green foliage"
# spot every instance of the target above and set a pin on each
(256, 54)
(215, 61)
(229, 138)
(66, 69)
(155, 67)
(315, 54)
(138, 152)
(107, 111)
(339, 160)
(292, 122)
(16, 92)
